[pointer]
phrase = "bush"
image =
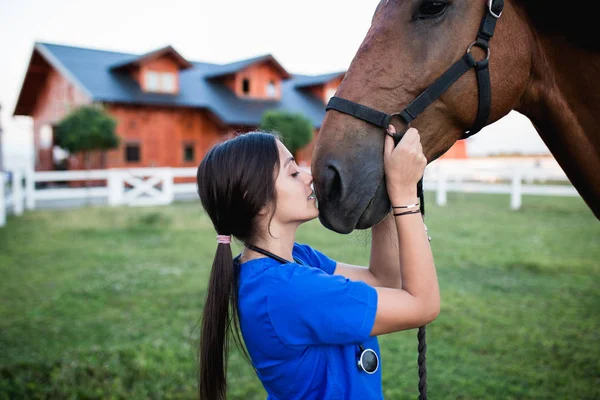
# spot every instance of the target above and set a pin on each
(295, 129)
(86, 129)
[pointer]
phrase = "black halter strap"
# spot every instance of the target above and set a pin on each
(437, 88)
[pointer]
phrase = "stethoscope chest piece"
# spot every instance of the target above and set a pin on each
(368, 360)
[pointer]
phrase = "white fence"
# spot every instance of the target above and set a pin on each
(131, 187)
(156, 186)
(514, 177)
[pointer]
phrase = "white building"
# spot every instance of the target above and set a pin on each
(1, 158)
(512, 135)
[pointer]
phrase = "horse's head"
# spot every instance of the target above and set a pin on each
(409, 45)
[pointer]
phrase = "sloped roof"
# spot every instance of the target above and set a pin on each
(93, 72)
(182, 63)
(237, 66)
(309, 81)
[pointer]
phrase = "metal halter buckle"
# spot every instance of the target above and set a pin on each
(490, 2)
(482, 47)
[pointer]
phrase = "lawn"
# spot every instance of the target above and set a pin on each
(105, 302)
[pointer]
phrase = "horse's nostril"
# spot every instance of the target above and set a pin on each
(332, 183)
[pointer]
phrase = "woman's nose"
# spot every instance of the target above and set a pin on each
(308, 178)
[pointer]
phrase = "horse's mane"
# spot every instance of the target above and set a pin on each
(577, 20)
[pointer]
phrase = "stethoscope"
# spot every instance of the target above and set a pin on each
(367, 359)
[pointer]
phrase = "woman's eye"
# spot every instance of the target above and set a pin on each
(295, 174)
(432, 9)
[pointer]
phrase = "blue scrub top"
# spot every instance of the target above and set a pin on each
(302, 325)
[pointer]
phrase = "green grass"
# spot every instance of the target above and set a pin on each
(105, 303)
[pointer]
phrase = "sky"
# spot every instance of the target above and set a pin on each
(306, 37)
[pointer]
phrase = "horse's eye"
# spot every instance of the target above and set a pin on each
(432, 9)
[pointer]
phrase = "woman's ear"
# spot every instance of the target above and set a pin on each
(264, 211)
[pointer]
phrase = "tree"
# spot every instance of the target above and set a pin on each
(86, 129)
(295, 129)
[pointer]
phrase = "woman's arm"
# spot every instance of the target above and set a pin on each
(418, 301)
(384, 265)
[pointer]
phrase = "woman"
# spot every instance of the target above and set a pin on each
(309, 323)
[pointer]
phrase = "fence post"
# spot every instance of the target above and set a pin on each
(441, 198)
(2, 200)
(115, 187)
(29, 188)
(168, 185)
(516, 191)
(17, 192)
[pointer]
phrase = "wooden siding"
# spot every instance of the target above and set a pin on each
(162, 134)
(54, 100)
(259, 76)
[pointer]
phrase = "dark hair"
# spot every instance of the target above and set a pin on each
(236, 180)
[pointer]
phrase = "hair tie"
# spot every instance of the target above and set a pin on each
(225, 239)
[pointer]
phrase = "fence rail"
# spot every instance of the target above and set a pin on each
(158, 186)
(4, 201)
(500, 178)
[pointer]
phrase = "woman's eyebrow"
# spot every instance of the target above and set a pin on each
(288, 161)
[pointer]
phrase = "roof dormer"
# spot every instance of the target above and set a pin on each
(257, 78)
(322, 87)
(156, 71)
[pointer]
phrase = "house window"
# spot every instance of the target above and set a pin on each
(132, 152)
(161, 82)
(246, 86)
(168, 82)
(152, 81)
(188, 152)
(329, 93)
(271, 89)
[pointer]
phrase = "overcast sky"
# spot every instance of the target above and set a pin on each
(308, 37)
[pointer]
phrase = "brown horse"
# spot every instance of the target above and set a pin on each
(544, 61)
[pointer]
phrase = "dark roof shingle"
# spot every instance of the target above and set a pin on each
(91, 70)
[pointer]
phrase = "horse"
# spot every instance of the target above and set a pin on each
(541, 59)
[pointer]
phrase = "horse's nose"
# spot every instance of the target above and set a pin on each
(331, 184)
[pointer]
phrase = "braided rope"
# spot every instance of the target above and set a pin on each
(421, 335)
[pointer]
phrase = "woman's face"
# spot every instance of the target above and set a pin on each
(296, 201)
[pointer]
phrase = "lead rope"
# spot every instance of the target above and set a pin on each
(422, 333)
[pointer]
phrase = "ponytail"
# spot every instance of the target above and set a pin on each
(236, 180)
(220, 310)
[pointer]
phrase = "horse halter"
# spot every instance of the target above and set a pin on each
(435, 90)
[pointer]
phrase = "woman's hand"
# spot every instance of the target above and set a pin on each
(404, 165)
